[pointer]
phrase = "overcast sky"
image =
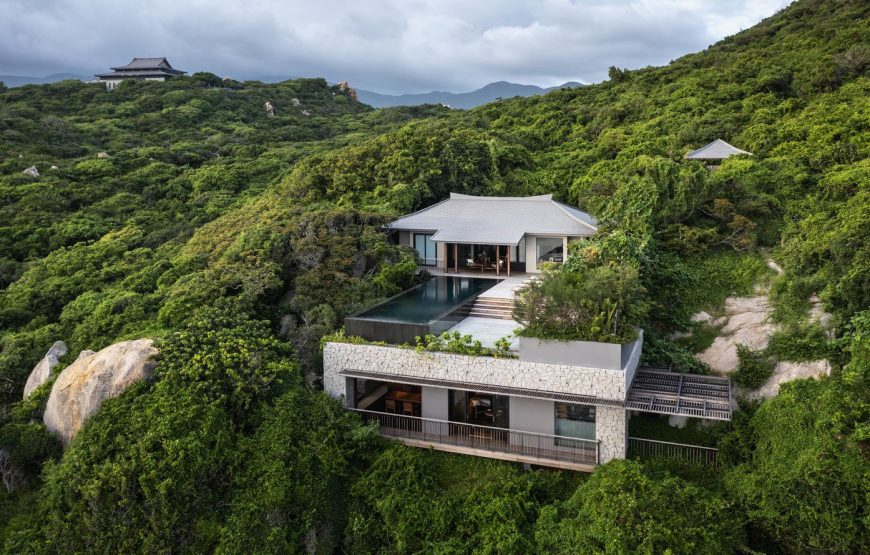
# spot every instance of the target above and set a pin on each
(390, 46)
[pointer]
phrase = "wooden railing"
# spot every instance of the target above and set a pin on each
(653, 449)
(530, 444)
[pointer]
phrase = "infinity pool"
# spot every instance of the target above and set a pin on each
(431, 307)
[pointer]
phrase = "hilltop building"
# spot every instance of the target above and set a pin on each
(149, 69)
(562, 404)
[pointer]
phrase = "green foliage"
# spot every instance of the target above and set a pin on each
(411, 501)
(594, 296)
(799, 343)
(291, 490)
(462, 345)
(161, 455)
(803, 483)
(655, 514)
(753, 368)
(206, 201)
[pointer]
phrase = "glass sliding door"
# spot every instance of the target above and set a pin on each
(482, 409)
(550, 249)
(425, 247)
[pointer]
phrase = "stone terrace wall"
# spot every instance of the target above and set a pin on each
(600, 383)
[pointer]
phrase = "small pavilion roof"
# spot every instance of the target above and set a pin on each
(717, 150)
(497, 220)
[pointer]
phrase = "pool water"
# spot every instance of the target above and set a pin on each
(428, 301)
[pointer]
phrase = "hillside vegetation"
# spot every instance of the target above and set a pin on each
(238, 240)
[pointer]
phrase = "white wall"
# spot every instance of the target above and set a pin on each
(532, 415)
(531, 253)
(435, 403)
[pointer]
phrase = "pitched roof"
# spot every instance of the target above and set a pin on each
(146, 63)
(497, 220)
(717, 150)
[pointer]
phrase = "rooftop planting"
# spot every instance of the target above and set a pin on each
(594, 296)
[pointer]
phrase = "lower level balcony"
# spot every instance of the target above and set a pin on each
(486, 441)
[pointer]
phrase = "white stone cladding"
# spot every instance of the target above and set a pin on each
(611, 431)
(596, 382)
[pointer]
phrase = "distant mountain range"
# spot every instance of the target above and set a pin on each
(488, 93)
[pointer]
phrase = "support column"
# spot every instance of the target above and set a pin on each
(509, 260)
(497, 259)
(611, 431)
(456, 258)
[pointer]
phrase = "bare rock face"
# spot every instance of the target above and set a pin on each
(344, 86)
(42, 370)
(748, 323)
(702, 317)
(31, 172)
(270, 110)
(102, 155)
(81, 388)
(788, 371)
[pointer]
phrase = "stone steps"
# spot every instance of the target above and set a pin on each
(492, 307)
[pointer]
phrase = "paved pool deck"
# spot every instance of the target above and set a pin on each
(506, 288)
(487, 330)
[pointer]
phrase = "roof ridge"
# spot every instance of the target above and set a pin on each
(460, 196)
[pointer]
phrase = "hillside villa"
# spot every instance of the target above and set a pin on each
(563, 404)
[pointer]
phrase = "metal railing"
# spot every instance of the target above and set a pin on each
(653, 449)
(531, 444)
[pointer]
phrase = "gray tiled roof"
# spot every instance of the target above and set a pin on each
(146, 63)
(717, 150)
(497, 220)
(143, 67)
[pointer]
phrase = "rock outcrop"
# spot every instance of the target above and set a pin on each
(345, 87)
(82, 387)
(787, 371)
(42, 371)
(270, 110)
(102, 155)
(31, 172)
(746, 322)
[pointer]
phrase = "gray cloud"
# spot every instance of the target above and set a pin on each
(382, 45)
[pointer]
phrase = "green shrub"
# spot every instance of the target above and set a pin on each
(595, 296)
(753, 369)
(799, 344)
(462, 345)
(624, 509)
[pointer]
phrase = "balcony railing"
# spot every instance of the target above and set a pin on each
(654, 449)
(500, 440)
